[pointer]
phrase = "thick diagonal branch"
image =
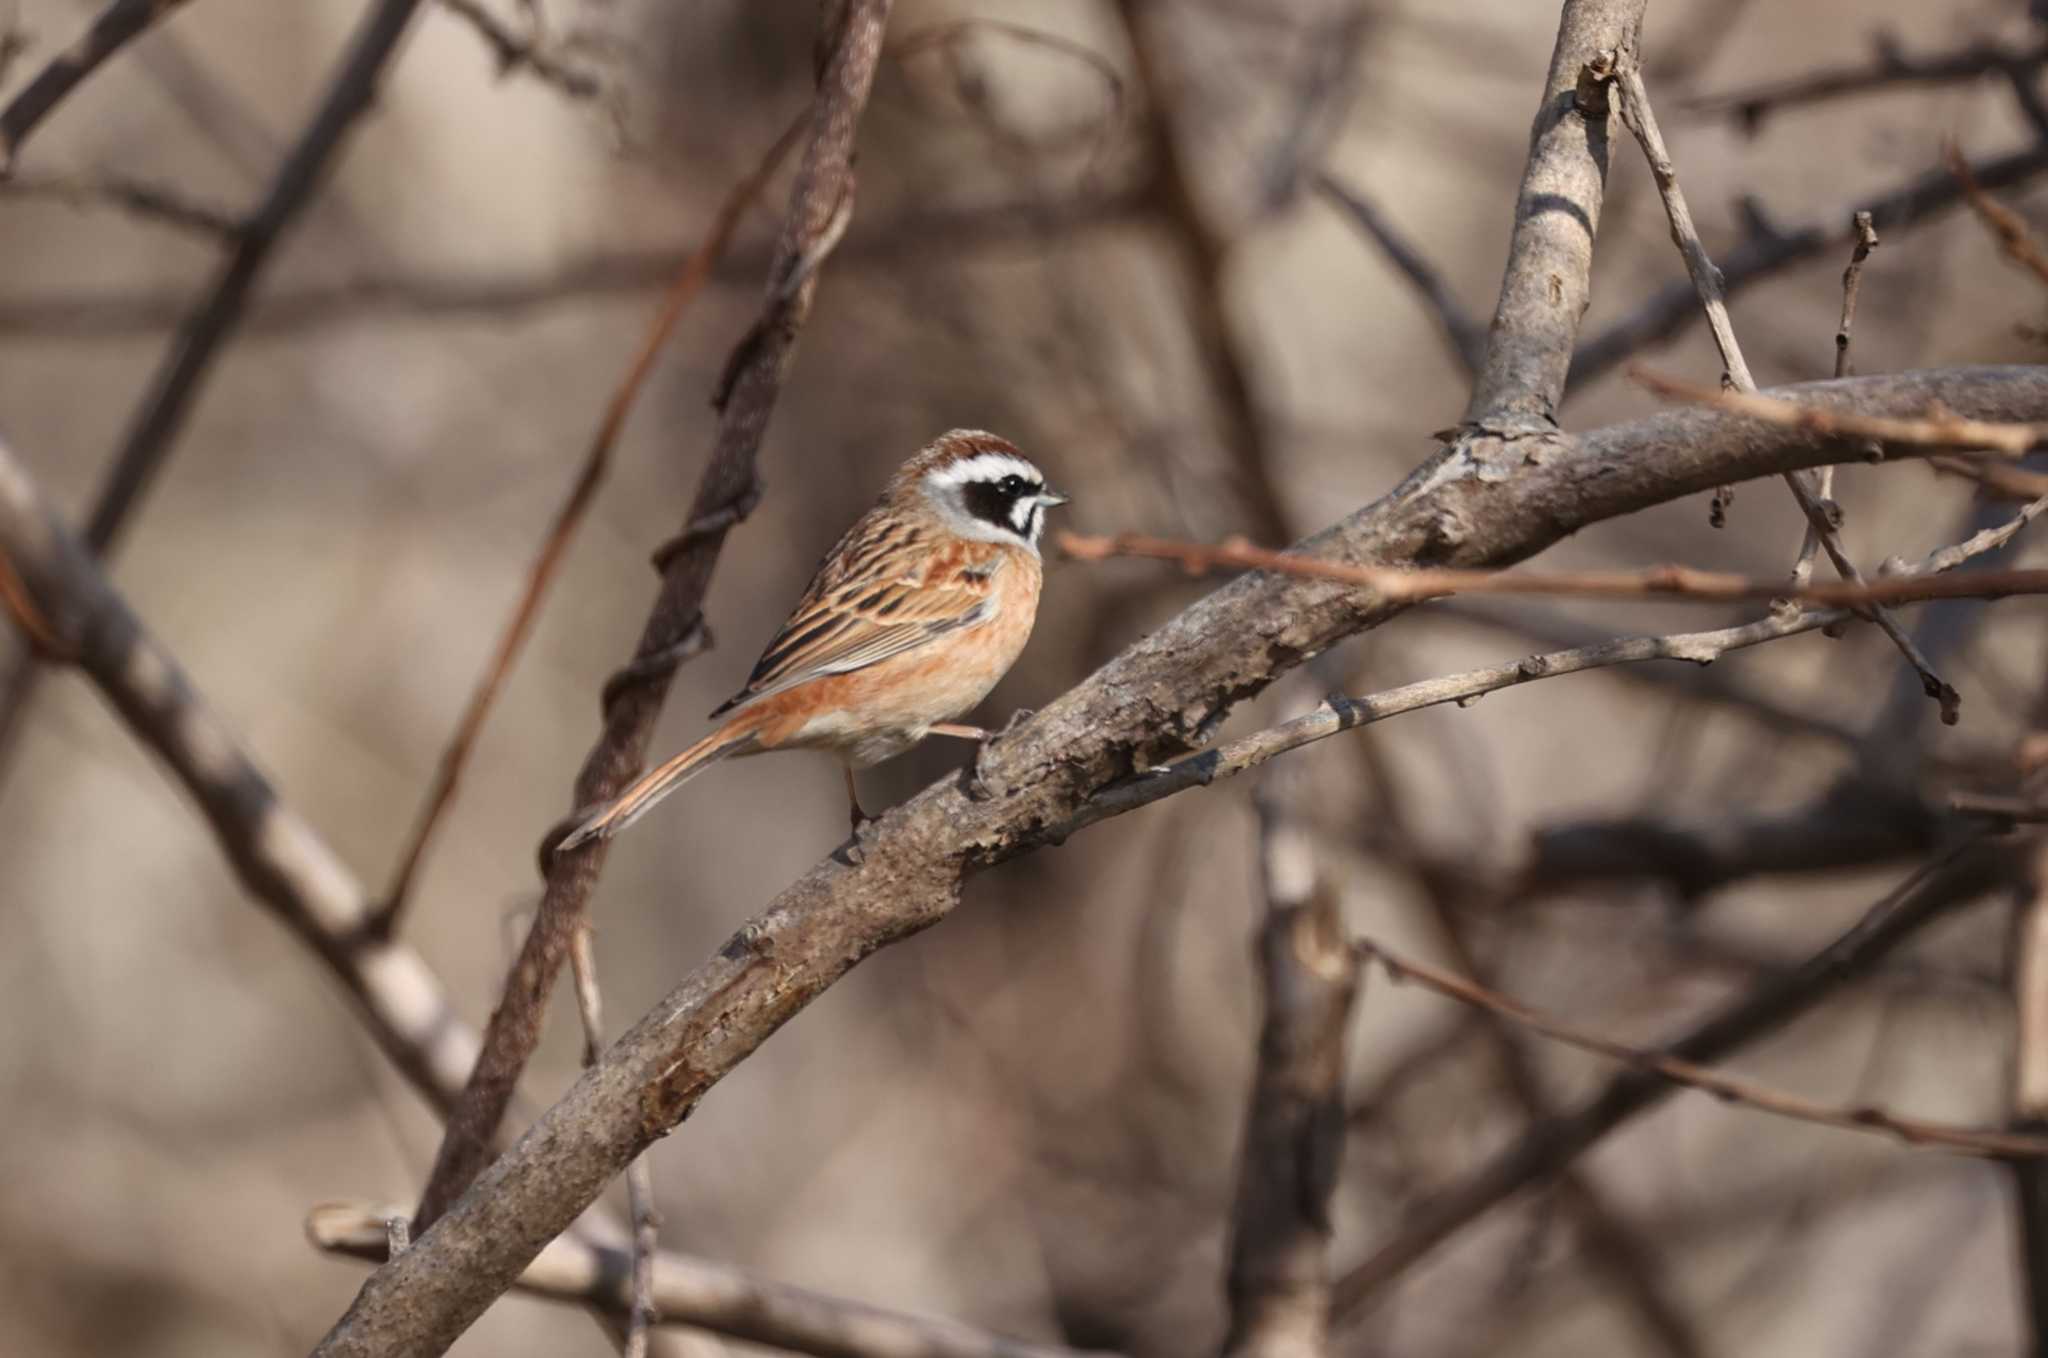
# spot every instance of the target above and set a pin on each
(1163, 695)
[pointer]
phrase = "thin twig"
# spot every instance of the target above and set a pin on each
(530, 52)
(1822, 517)
(118, 24)
(1824, 484)
(1996, 478)
(1465, 336)
(1401, 585)
(1889, 69)
(710, 1296)
(819, 203)
(554, 547)
(1852, 278)
(640, 1310)
(138, 198)
(1915, 1132)
(2005, 225)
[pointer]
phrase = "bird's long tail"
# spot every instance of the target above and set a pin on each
(731, 739)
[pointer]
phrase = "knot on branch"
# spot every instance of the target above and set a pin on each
(707, 526)
(656, 665)
(1590, 98)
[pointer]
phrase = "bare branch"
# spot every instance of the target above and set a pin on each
(1204, 254)
(1149, 704)
(1890, 68)
(596, 462)
(179, 377)
(279, 858)
(1770, 251)
(1339, 713)
(118, 24)
(1852, 278)
(293, 309)
(1918, 1133)
(819, 204)
(1279, 1273)
(1959, 877)
(710, 1296)
(1822, 522)
(2004, 224)
(1547, 286)
(177, 382)
(1466, 336)
(1400, 585)
(1630, 1260)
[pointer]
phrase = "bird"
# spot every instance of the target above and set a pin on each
(923, 604)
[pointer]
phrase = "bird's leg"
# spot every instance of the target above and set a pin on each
(973, 783)
(861, 820)
(859, 817)
(959, 732)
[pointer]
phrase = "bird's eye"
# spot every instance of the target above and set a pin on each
(1011, 484)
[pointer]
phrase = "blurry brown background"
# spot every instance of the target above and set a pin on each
(1028, 1116)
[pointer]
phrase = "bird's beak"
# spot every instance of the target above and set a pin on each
(1052, 498)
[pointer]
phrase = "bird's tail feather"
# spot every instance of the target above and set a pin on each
(634, 802)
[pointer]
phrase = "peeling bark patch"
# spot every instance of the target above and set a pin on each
(666, 1101)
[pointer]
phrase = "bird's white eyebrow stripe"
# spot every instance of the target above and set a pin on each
(985, 467)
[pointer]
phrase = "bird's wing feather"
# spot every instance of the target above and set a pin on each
(885, 589)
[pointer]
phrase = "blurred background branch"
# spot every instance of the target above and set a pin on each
(1093, 229)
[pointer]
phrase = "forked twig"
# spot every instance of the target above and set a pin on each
(117, 25)
(1340, 712)
(1822, 516)
(1852, 279)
